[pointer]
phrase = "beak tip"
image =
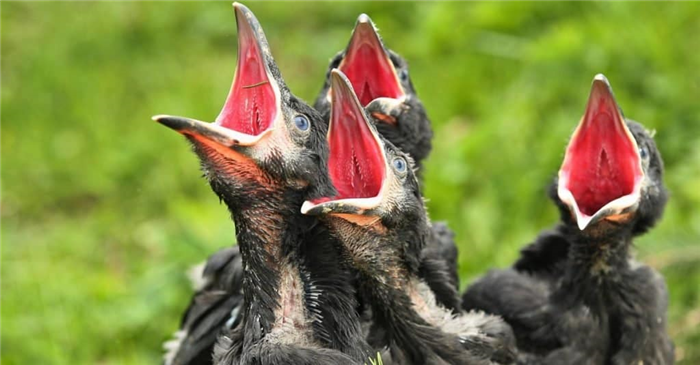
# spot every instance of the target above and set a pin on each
(365, 26)
(601, 79)
(338, 79)
(241, 11)
(601, 88)
(172, 122)
(364, 19)
(582, 223)
(160, 117)
(307, 208)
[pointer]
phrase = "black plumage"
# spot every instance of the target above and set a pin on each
(576, 295)
(383, 237)
(439, 265)
(214, 308)
(298, 304)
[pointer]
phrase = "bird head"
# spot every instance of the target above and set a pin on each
(375, 181)
(378, 75)
(612, 170)
(263, 135)
(380, 79)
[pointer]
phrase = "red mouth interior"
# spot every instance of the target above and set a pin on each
(368, 67)
(602, 161)
(356, 163)
(251, 104)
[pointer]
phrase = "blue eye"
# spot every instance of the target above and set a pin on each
(643, 153)
(399, 164)
(403, 75)
(302, 122)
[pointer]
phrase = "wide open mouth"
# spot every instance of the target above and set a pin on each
(254, 100)
(253, 104)
(368, 66)
(602, 171)
(357, 164)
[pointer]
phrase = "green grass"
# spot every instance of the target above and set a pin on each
(377, 360)
(103, 210)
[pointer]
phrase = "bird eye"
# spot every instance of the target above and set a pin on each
(302, 122)
(643, 153)
(400, 164)
(403, 75)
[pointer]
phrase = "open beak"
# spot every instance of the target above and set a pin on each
(253, 106)
(357, 163)
(367, 65)
(602, 174)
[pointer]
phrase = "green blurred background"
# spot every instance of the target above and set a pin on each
(103, 210)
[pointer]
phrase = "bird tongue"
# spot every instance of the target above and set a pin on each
(368, 66)
(602, 161)
(251, 105)
(356, 162)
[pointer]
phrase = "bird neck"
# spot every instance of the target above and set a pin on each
(388, 276)
(268, 235)
(596, 261)
(376, 251)
(293, 287)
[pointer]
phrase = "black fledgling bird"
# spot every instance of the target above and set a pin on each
(265, 154)
(379, 217)
(576, 295)
(381, 81)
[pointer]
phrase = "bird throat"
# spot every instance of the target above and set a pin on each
(595, 261)
(274, 288)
